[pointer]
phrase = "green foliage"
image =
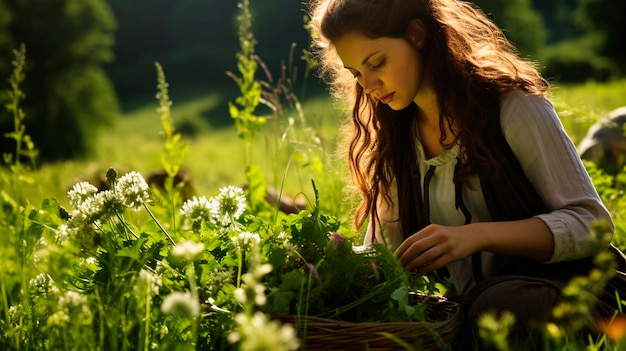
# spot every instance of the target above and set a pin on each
(606, 19)
(24, 146)
(174, 153)
(521, 23)
(70, 96)
(247, 123)
(578, 59)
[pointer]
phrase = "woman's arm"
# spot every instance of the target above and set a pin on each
(551, 163)
(436, 245)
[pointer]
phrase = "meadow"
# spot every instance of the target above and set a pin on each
(128, 267)
(217, 155)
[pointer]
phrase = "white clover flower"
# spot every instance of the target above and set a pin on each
(98, 206)
(245, 240)
(133, 190)
(80, 192)
(110, 202)
(258, 332)
(181, 304)
(231, 203)
(188, 250)
(197, 209)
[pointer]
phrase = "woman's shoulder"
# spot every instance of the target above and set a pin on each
(520, 107)
(520, 100)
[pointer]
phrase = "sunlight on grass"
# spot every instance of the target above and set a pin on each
(216, 156)
(581, 105)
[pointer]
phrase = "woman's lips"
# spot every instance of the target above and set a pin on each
(387, 98)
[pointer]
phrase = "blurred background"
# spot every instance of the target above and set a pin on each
(90, 63)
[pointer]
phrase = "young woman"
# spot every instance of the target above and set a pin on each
(460, 158)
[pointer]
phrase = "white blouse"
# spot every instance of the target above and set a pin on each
(551, 163)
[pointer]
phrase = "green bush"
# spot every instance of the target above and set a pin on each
(576, 60)
(68, 95)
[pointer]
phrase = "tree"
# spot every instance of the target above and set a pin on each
(606, 17)
(522, 25)
(68, 95)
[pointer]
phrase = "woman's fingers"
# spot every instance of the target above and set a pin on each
(429, 249)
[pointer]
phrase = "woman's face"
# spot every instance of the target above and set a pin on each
(389, 69)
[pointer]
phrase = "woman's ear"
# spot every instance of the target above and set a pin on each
(416, 33)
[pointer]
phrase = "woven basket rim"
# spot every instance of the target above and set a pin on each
(329, 334)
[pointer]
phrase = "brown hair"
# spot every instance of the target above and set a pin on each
(471, 63)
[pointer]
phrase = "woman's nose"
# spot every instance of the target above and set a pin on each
(370, 83)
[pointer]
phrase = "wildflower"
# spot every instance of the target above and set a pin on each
(188, 250)
(245, 240)
(72, 299)
(133, 190)
(62, 234)
(197, 210)
(230, 205)
(98, 206)
(149, 281)
(181, 304)
(314, 272)
(218, 278)
(73, 307)
(253, 289)
(258, 333)
(81, 192)
(42, 284)
(336, 238)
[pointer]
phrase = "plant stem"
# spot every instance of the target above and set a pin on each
(191, 277)
(158, 224)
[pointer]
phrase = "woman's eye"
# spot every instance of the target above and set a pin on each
(378, 65)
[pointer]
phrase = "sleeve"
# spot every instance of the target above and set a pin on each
(389, 231)
(551, 163)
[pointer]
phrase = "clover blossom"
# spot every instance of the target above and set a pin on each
(98, 206)
(81, 192)
(230, 205)
(197, 210)
(181, 304)
(188, 250)
(133, 190)
(245, 240)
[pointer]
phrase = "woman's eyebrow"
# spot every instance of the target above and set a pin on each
(365, 59)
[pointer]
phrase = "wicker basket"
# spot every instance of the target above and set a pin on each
(438, 332)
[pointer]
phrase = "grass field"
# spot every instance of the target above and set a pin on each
(216, 156)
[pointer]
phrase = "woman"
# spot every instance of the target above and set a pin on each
(460, 158)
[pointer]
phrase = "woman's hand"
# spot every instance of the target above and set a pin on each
(435, 246)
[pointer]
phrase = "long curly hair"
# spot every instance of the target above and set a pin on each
(472, 65)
